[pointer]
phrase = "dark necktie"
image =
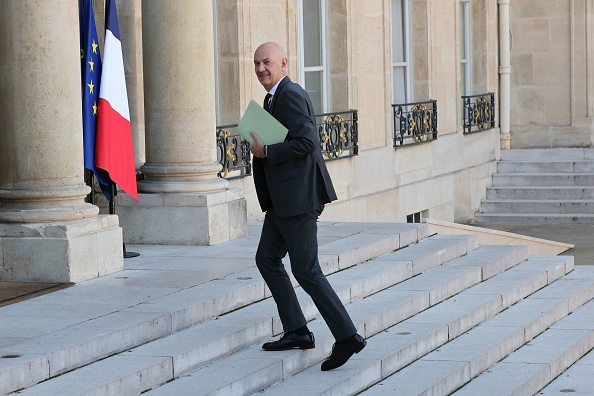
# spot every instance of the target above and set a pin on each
(267, 101)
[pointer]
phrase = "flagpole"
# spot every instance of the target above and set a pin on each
(112, 193)
(90, 181)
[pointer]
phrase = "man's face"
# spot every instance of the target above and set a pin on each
(269, 65)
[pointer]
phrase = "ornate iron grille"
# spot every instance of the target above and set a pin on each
(479, 112)
(233, 153)
(415, 122)
(339, 134)
(338, 139)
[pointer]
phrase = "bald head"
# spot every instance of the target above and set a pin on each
(270, 64)
(272, 47)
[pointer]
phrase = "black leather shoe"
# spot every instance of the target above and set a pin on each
(291, 341)
(342, 353)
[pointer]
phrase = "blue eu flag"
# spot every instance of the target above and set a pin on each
(90, 60)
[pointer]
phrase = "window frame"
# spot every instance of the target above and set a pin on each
(406, 46)
(466, 42)
(325, 84)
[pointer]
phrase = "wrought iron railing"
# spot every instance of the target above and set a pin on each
(414, 122)
(338, 139)
(479, 112)
(339, 134)
(233, 153)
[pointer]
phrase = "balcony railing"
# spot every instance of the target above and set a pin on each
(414, 123)
(479, 112)
(233, 153)
(339, 134)
(338, 138)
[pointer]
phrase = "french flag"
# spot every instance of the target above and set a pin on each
(113, 145)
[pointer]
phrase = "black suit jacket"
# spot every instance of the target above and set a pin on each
(293, 177)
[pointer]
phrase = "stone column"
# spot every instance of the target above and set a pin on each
(130, 21)
(182, 201)
(47, 231)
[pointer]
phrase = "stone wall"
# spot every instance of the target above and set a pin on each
(551, 95)
(445, 179)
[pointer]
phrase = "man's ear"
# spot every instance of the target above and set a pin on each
(284, 62)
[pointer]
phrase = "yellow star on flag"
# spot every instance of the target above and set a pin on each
(94, 46)
(92, 64)
(90, 87)
(95, 108)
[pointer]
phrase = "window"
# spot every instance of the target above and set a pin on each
(465, 48)
(414, 218)
(313, 57)
(401, 71)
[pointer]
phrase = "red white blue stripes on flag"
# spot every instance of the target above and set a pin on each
(114, 151)
(90, 62)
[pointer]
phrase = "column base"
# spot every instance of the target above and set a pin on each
(199, 219)
(505, 141)
(71, 251)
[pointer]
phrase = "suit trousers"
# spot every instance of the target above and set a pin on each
(298, 236)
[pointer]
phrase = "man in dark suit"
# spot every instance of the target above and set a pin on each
(293, 184)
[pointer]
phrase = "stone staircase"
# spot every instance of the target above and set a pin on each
(441, 313)
(541, 186)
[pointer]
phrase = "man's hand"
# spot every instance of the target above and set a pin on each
(257, 148)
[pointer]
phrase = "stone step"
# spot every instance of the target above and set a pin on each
(541, 186)
(543, 179)
(545, 166)
(185, 350)
(530, 368)
(577, 380)
(252, 369)
(402, 344)
(541, 192)
(569, 154)
(456, 363)
(533, 218)
(74, 327)
(549, 206)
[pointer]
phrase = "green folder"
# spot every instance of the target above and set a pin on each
(256, 119)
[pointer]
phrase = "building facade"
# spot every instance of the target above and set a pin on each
(414, 98)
